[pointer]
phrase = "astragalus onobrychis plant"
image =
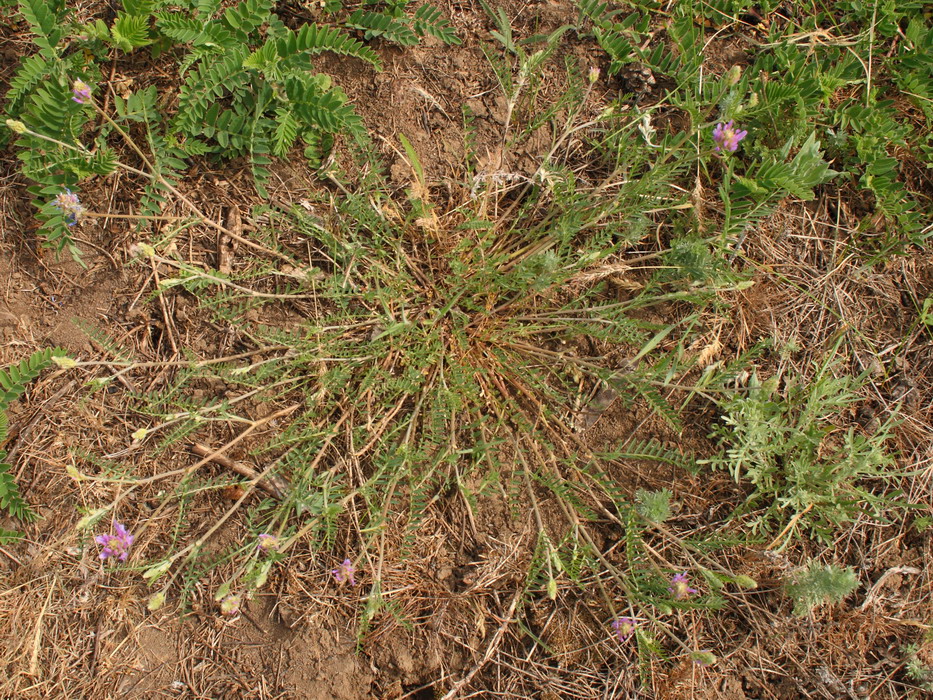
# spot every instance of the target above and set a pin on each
(247, 87)
(444, 344)
(839, 73)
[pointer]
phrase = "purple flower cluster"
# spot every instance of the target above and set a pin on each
(267, 543)
(70, 206)
(625, 628)
(344, 573)
(115, 545)
(230, 605)
(727, 137)
(680, 587)
(81, 92)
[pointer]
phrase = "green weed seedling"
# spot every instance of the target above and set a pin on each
(917, 671)
(443, 356)
(819, 584)
(804, 470)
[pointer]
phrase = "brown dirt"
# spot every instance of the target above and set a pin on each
(74, 629)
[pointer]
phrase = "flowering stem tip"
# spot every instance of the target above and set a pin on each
(727, 137)
(267, 543)
(230, 605)
(344, 573)
(115, 545)
(680, 587)
(70, 206)
(81, 92)
(17, 127)
(624, 627)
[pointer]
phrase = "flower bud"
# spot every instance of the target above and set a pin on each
(703, 658)
(64, 361)
(142, 249)
(16, 127)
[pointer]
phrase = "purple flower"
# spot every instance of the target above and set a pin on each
(115, 545)
(624, 627)
(344, 572)
(71, 206)
(267, 543)
(727, 137)
(680, 587)
(81, 92)
(230, 605)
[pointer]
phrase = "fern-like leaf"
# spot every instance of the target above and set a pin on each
(191, 30)
(375, 24)
(206, 8)
(286, 131)
(10, 499)
(214, 77)
(819, 584)
(141, 7)
(31, 72)
(43, 19)
(651, 451)
(428, 20)
(617, 46)
(318, 145)
(247, 17)
(328, 110)
(597, 12)
(13, 379)
(314, 39)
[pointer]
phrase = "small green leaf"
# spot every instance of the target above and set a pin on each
(413, 159)
(261, 575)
